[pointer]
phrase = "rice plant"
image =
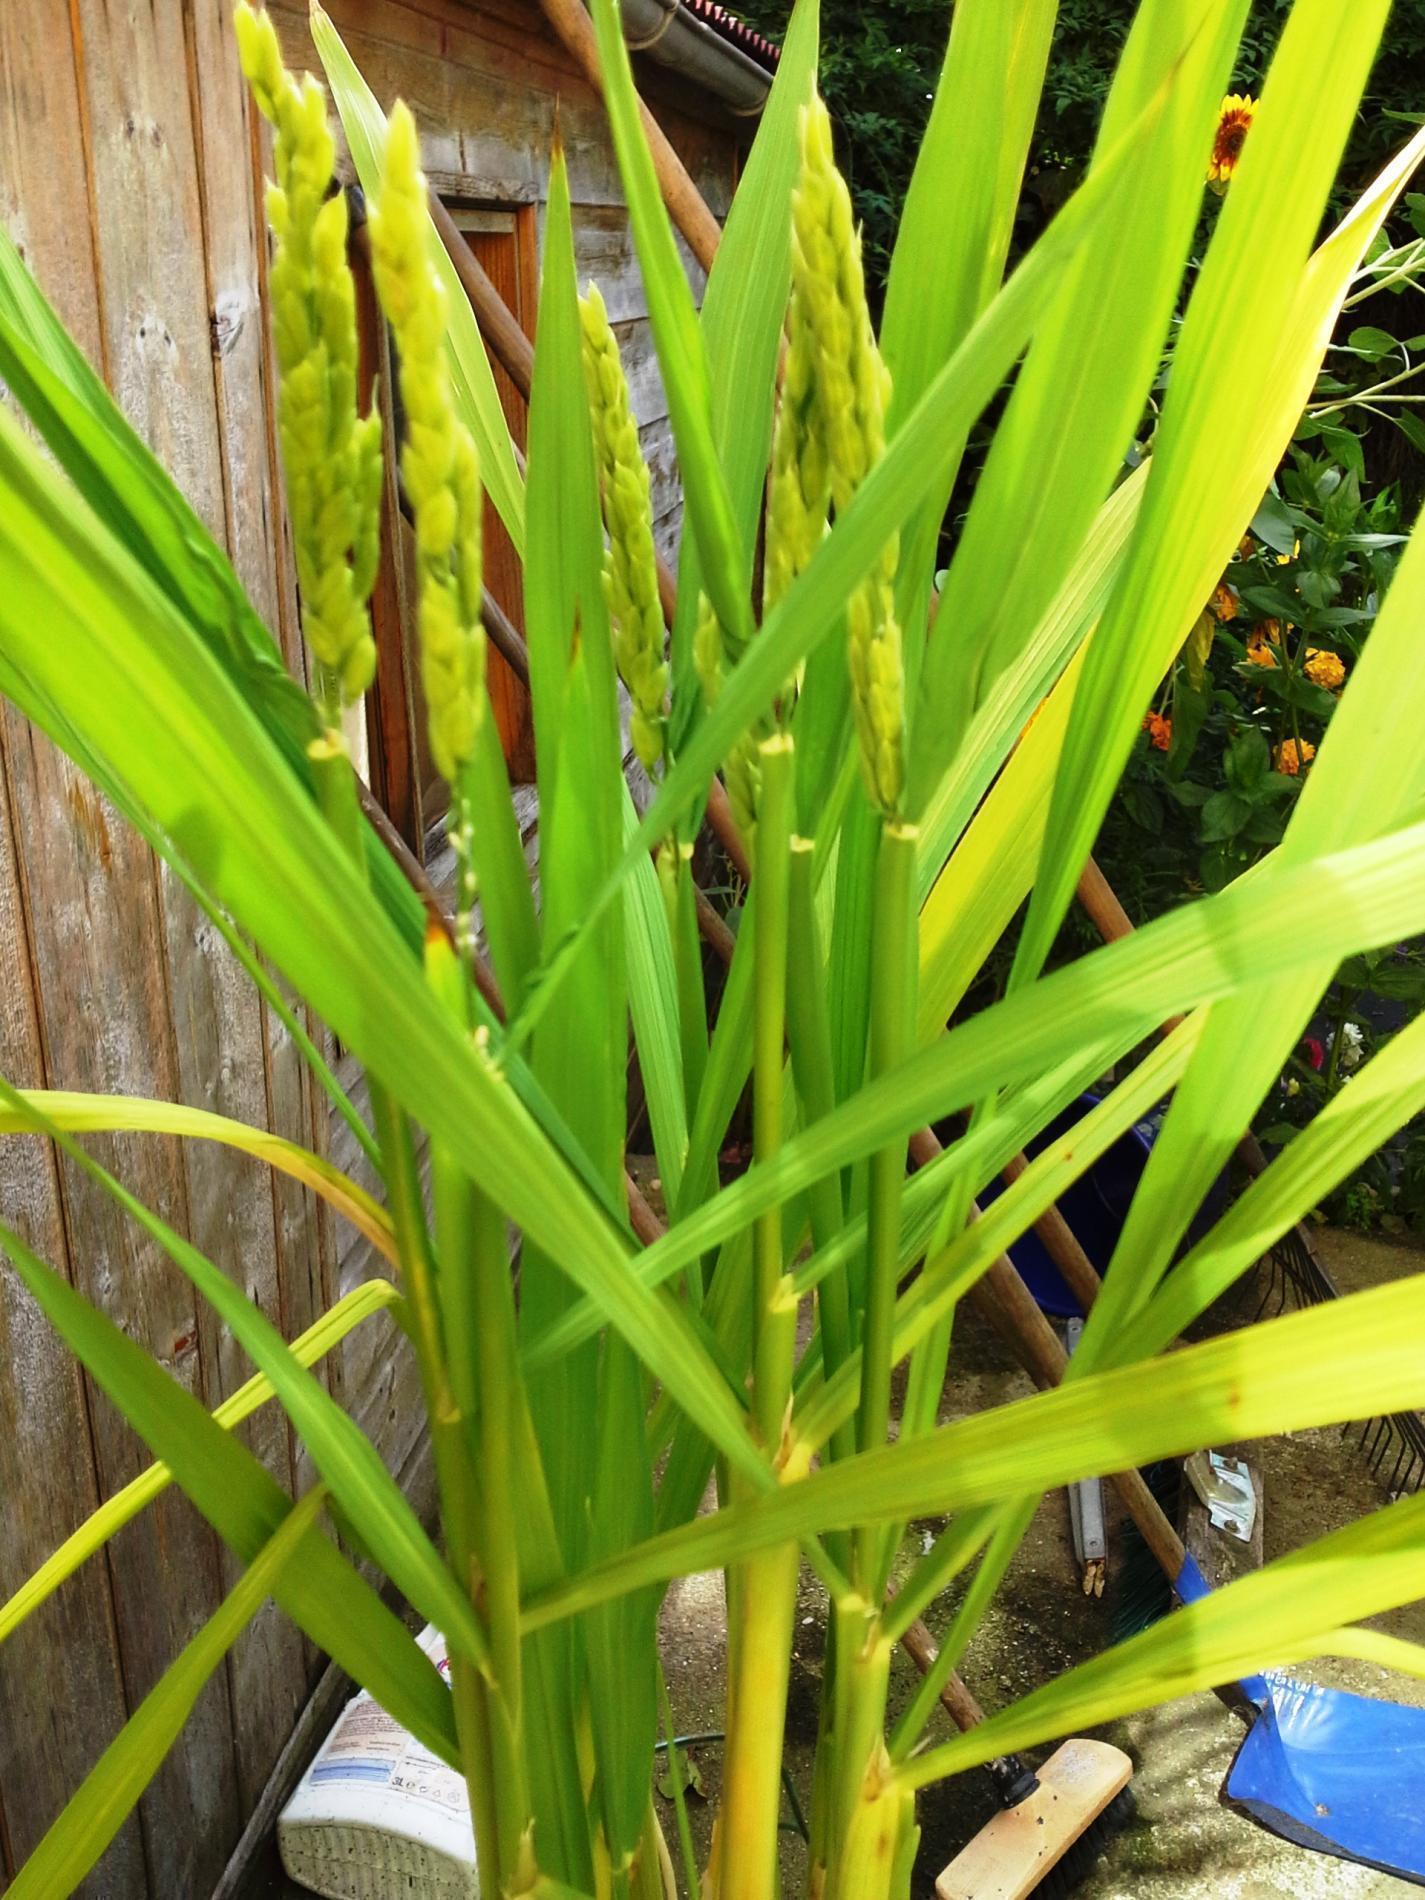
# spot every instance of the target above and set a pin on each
(912, 767)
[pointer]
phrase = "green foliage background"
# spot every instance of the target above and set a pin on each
(880, 61)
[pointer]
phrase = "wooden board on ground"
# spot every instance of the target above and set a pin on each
(1013, 1852)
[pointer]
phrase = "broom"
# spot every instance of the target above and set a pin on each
(1053, 1823)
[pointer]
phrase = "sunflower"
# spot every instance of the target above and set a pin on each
(1292, 757)
(1159, 730)
(1324, 669)
(1234, 122)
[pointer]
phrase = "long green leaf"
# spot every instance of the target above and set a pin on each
(724, 554)
(131, 673)
(1368, 776)
(1235, 359)
(1384, 1094)
(812, 608)
(1374, 893)
(347, 1459)
(128, 488)
(1081, 391)
(371, 1297)
(1283, 1614)
(954, 235)
(741, 322)
(91, 1114)
(323, 1595)
(1317, 1367)
(112, 1787)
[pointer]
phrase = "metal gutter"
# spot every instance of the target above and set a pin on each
(700, 40)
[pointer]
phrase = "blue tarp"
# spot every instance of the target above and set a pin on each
(1338, 1772)
(1341, 1773)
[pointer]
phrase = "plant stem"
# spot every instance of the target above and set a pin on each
(775, 1310)
(856, 1833)
(810, 1041)
(680, 1803)
(762, 1593)
(893, 1010)
(688, 965)
(760, 1664)
(336, 791)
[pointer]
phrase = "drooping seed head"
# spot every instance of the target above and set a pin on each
(438, 460)
(630, 559)
(831, 432)
(331, 456)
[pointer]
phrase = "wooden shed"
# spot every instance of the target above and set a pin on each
(130, 175)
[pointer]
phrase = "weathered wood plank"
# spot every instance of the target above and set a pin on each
(646, 393)
(61, 1691)
(97, 934)
(149, 237)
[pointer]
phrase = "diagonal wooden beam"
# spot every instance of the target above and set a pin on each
(686, 204)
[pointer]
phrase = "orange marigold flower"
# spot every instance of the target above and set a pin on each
(1259, 652)
(1233, 124)
(1246, 548)
(1324, 669)
(1269, 630)
(1159, 730)
(1292, 759)
(1224, 602)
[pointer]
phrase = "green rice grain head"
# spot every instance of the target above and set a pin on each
(438, 459)
(831, 433)
(630, 561)
(331, 456)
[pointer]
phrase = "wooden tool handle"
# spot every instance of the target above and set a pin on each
(686, 204)
(920, 1647)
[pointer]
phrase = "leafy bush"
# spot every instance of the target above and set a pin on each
(907, 787)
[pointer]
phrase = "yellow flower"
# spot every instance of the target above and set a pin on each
(1259, 653)
(1159, 730)
(1292, 758)
(1324, 669)
(1224, 602)
(1285, 560)
(1233, 124)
